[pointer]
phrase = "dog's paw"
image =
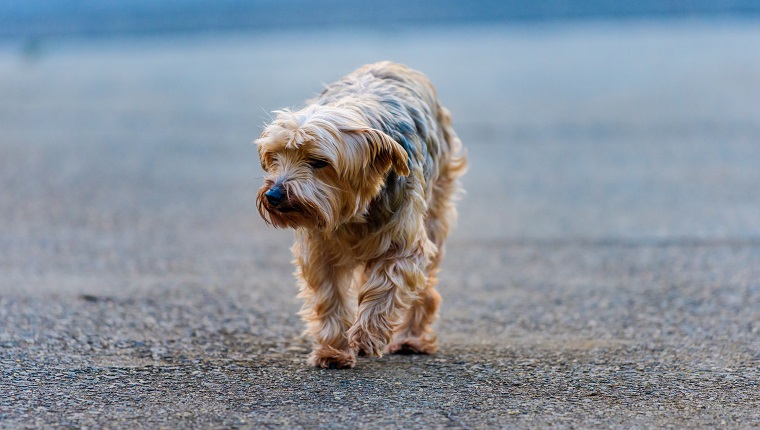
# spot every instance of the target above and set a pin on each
(413, 345)
(327, 357)
(364, 343)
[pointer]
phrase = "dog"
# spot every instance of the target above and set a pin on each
(367, 174)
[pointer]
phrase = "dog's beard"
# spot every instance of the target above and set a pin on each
(314, 207)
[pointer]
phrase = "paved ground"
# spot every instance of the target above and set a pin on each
(605, 273)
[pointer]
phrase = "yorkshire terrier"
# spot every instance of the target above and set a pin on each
(366, 174)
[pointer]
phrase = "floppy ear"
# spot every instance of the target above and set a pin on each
(265, 156)
(386, 152)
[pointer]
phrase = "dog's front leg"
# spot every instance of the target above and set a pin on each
(325, 311)
(392, 283)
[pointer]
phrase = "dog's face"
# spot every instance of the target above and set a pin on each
(323, 166)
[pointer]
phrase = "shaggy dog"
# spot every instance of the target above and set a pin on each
(366, 174)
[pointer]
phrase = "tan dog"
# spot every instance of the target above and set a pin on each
(366, 175)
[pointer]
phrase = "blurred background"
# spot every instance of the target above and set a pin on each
(129, 123)
(89, 18)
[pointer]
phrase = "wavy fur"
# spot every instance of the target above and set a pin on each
(370, 170)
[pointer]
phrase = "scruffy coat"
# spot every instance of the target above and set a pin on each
(366, 174)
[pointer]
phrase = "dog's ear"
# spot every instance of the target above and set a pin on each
(265, 156)
(386, 152)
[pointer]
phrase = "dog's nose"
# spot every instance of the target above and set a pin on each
(274, 196)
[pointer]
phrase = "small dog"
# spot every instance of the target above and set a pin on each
(367, 175)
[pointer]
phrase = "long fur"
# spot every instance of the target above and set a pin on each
(369, 170)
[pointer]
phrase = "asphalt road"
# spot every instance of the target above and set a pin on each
(605, 271)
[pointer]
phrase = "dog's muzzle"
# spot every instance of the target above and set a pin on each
(275, 196)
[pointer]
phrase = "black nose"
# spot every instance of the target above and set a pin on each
(274, 196)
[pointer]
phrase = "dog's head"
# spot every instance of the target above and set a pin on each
(323, 166)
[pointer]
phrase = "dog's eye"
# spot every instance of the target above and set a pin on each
(318, 164)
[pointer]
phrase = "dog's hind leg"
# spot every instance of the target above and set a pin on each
(415, 335)
(392, 283)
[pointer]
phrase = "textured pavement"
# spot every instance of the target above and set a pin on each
(605, 271)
